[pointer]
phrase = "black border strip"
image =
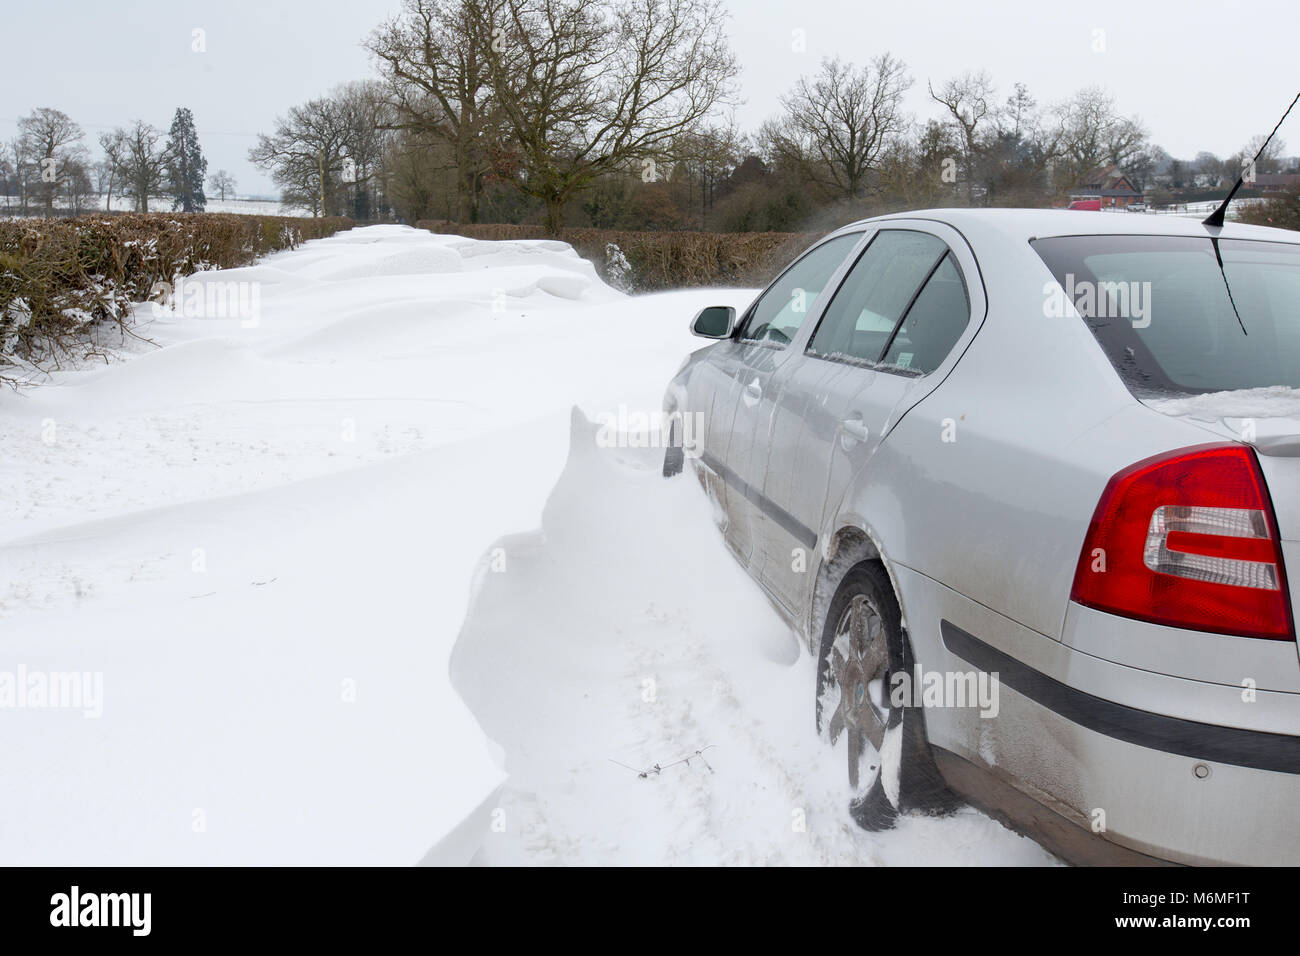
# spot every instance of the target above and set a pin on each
(801, 532)
(1258, 750)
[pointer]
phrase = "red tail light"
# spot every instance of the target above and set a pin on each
(1189, 540)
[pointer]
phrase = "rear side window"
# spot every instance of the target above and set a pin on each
(1172, 320)
(934, 323)
(778, 314)
(902, 304)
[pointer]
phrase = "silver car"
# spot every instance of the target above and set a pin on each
(1027, 483)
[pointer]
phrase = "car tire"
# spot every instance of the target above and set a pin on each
(863, 644)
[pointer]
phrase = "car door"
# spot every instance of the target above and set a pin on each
(757, 352)
(709, 397)
(892, 320)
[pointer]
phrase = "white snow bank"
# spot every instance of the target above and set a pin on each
(262, 537)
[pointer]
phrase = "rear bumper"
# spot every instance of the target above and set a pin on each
(1131, 783)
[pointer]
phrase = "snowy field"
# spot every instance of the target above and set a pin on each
(345, 579)
(9, 205)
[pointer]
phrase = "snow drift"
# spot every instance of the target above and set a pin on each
(262, 537)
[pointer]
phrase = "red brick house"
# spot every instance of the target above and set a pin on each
(1275, 182)
(1110, 186)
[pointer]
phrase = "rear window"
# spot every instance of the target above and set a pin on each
(1172, 320)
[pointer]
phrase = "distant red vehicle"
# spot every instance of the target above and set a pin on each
(1086, 204)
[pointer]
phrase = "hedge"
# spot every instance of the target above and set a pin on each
(59, 277)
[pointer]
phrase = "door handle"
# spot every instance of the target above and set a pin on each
(856, 429)
(753, 393)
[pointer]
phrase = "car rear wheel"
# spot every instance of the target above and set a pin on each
(863, 645)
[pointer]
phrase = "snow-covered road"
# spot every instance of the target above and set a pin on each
(262, 539)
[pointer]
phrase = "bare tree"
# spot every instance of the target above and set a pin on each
(76, 184)
(105, 181)
(114, 164)
(919, 170)
(221, 182)
(1270, 161)
(706, 158)
(421, 176)
(969, 101)
(1208, 168)
(305, 156)
(1015, 153)
(366, 117)
(433, 58)
(22, 172)
(587, 87)
(52, 140)
(139, 159)
(8, 174)
(1093, 134)
(839, 122)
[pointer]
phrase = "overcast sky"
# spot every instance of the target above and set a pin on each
(1205, 74)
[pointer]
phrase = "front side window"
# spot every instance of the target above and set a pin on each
(902, 304)
(778, 314)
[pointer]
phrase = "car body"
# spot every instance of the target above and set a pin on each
(1094, 204)
(973, 464)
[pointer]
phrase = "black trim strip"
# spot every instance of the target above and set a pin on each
(1256, 749)
(797, 529)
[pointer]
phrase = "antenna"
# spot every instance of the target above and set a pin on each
(1216, 218)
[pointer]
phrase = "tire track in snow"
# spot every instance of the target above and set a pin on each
(735, 730)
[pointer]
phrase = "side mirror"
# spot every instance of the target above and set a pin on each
(715, 322)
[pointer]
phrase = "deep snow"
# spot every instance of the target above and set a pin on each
(265, 535)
